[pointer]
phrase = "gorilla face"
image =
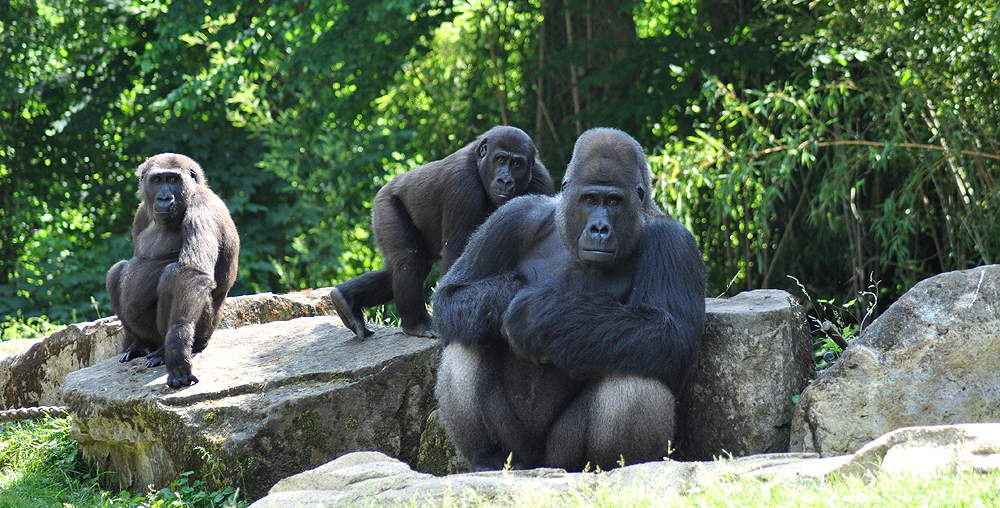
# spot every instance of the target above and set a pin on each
(600, 223)
(601, 207)
(166, 191)
(505, 164)
(166, 186)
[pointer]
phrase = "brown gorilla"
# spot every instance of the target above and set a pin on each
(169, 295)
(428, 213)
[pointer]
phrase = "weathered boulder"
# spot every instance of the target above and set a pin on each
(756, 355)
(32, 374)
(273, 400)
(269, 307)
(371, 478)
(932, 449)
(927, 360)
(33, 377)
(438, 454)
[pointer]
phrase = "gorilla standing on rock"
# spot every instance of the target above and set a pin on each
(571, 322)
(428, 213)
(169, 296)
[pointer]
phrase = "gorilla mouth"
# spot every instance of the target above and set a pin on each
(597, 256)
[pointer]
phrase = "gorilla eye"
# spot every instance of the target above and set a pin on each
(501, 159)
(614, 201)
(516, 164)
(589, 200)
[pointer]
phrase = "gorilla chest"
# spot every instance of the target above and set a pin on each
(158, 242)
(546, 261)
(549, 262)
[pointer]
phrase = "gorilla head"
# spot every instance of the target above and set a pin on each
(605, 198)
(167, 183)
(505, 155)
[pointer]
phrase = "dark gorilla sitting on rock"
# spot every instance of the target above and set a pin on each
(169, 296)
(428, 213)
(571, 322)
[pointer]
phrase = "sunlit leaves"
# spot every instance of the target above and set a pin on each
(878, 155)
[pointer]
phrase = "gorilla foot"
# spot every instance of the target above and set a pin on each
(134, 351)
(179, 374)
(181, 380)
(154, 361)
(421, 328)
(352, 318)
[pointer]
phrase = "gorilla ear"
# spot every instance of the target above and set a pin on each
(564, 184)
(483, 148)
(642, 193)
(194, 175)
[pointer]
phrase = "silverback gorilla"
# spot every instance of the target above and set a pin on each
(169, 295)
(571, 322)
(428, 213)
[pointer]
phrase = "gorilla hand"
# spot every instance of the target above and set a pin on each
(177, 356)
(519, 325)
(180, 376)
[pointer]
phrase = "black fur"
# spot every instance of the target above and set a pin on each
(428, 213)
(169, 296)
(571, 321)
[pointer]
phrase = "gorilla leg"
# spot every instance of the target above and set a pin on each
(136, 346)
(476, 413)
(184, 293)
(209, 321)
(408, 276)
(113, 285)
(621, 418)
(408, 259)
(351, 298)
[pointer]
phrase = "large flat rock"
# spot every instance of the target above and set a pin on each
(272, 400)
(373, 479)
(32, 371)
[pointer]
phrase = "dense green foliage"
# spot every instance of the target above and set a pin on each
(40, 467)
(850, 144)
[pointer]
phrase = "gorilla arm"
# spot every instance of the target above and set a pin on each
(185, 290)
(471, 298)
(586, 332)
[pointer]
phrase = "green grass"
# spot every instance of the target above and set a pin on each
(40, 467)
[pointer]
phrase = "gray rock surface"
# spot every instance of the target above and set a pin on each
(32, 371)
(756, 355)
(371, 477)
(272, 400)
(927, 360)
(33, 377)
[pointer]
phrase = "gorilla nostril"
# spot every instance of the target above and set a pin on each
(602, 230)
